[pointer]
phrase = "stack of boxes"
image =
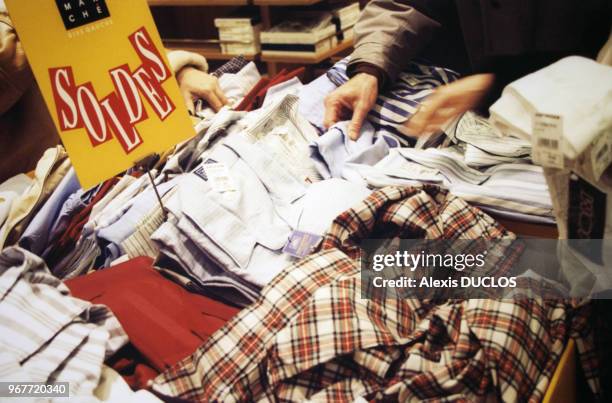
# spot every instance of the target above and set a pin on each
(345, 17)
(311, 32)
(306, 34)
(239, 36)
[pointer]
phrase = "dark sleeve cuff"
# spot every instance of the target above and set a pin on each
(370, 69)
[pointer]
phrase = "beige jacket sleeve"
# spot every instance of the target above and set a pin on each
(389, 34)
(15, 74)
(179, 59)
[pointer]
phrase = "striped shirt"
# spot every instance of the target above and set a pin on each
(45, 334)
(515, 187)
(399, 101)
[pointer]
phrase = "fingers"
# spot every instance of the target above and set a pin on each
(426, 122)
(440, 117)
(221, 96)
(420, 119)
(211, 92)
(448, 102)
(426, 112)
(213, 100)
(214, 96)
(339, 107)
(188, 101)
(360, 111)
(332, 111)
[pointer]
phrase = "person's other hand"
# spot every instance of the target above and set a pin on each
(358, 96)
(448, 102)
(197, 84)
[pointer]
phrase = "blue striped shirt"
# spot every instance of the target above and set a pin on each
(397, 103)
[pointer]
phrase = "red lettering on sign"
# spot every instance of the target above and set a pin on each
(64, 91)
(92, 115)
(127, 90)
(155, 94)
(149, 55)
(119, 112)
(119, 119)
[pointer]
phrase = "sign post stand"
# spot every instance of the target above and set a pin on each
(145, 165)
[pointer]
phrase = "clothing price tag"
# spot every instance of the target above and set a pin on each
(601, 153)
(291, 151)
(547, 137)
(219, 177)
(301, 244)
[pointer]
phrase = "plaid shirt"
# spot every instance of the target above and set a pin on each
(234, 65)
(310, 336)
(45, 334)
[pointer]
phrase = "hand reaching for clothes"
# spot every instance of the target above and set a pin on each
(353, 100)
(196, 84)
(449, 101)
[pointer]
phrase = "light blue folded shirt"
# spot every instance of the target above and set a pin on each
(36, 235)
(111, 237)
(311, 104)
(335, 154)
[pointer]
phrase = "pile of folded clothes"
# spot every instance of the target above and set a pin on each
(245, 285)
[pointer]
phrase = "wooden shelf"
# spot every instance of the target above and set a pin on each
(210, 51)
(197, 2)
(285, 2)
(308, 59)
(213, 52)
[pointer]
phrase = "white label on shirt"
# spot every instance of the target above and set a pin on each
(601, 153)
(547, 137)
(290, 151)
(219, 177)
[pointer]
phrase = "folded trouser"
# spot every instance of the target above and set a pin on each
(163, 320)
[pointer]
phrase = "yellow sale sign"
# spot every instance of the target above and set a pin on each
(103, 72)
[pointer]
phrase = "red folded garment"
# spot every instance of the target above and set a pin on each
(287, 75)
(164, 321)
(281, 77)
(132, 367)
(247, 101)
